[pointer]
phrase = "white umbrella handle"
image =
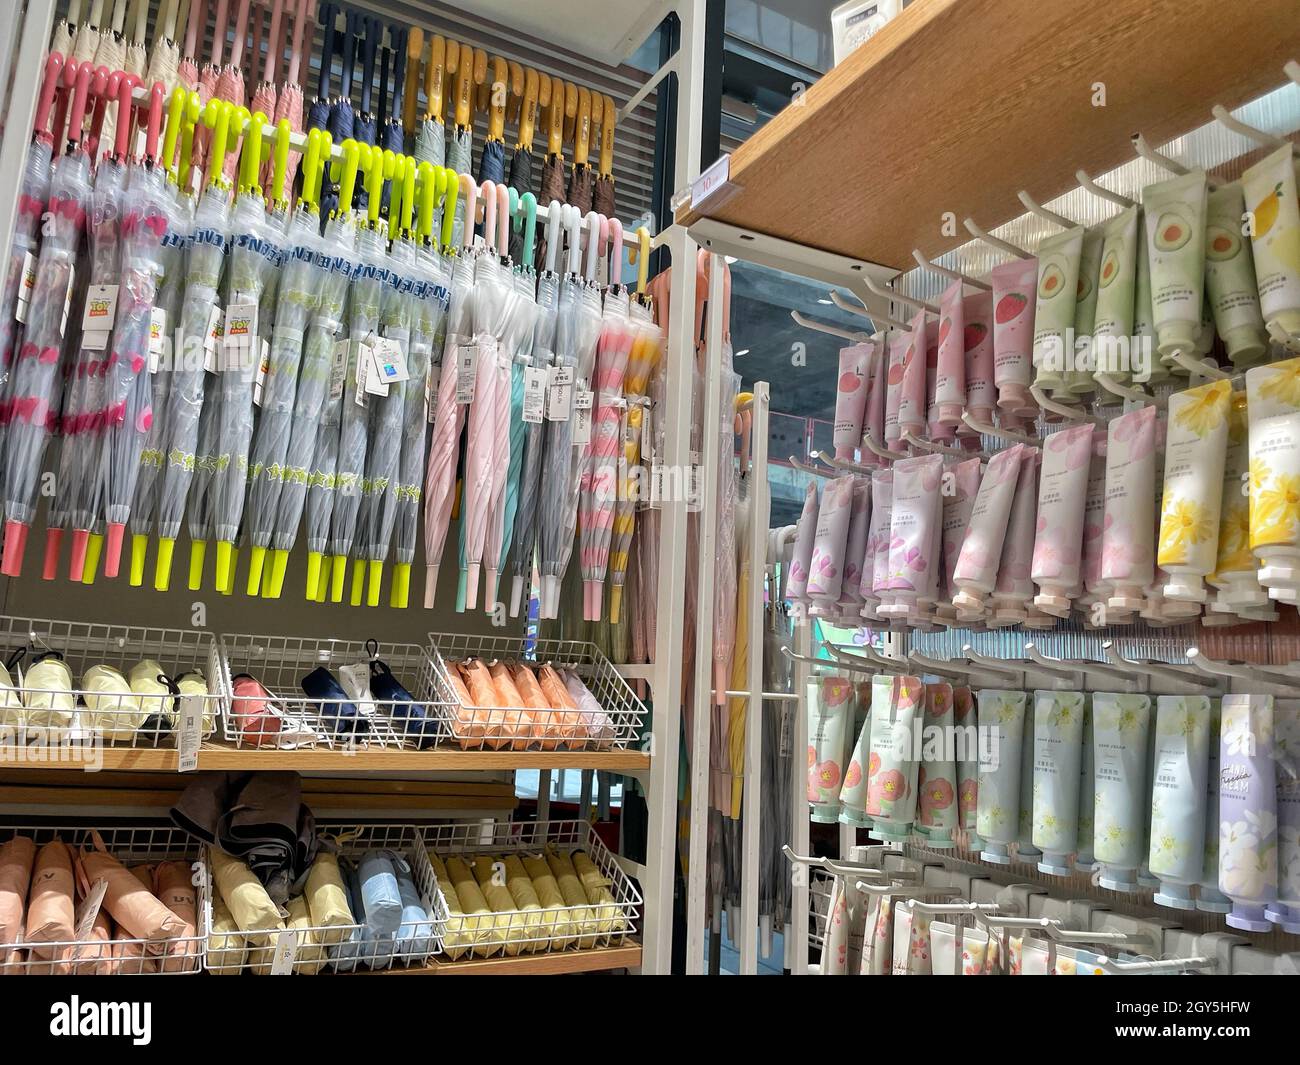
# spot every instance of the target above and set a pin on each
(616, 252)
(573, 223)
(488, 193)
(553, 213)
(597, 230)
(470, 192)
(503, 219)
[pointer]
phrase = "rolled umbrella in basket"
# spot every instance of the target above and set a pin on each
(35, 371)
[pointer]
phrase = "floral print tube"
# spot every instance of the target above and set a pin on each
(1026, 851)
(1286, 738)
(936, 780)
(976, 569)
(880, 488)
(1083, 859)
(855, 547)
(1058, 743)
(1178, 797)
(892, 759)
(796, 584)
(1001, 725)
(1248, 810)
(830, 718)
(1058, 540)
(1013, 587)
(914, 520)
(853, 794)
(966, 737)
(1120, 762)
(949, 397)
(1234, 572)
(851, 392)
(912, 391)
(911, 941)
(826, 567)
(1273, 395)
(1208, 896)
(1127, 535)
(1013, 334)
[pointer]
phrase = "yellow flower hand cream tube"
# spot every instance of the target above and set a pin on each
(1273, 395)
(1001, 729)
(1175, 221)
(1235, 568)
(1270, 190)
(1058, 742)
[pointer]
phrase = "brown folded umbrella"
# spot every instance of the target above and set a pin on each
(603, 199)
(583, 179)
(16, 859)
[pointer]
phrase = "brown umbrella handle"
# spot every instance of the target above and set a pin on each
(464, 84)
(582, 128)
(528, 112)
(434, 75)
(608, 122)
(498, 95)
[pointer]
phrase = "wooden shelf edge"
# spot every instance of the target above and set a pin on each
(551, 964)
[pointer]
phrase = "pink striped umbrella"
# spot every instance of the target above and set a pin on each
(288, 103)
(187, 70)
(230, 85)
(265, 96)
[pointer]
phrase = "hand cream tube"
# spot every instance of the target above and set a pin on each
(1013, 334)
(829, 721)
(1247, 810)
(1001, 725)
(1058, 743)
(1273, 395)
(892, 765)
(1025, 849)
(1286, 734)
(961, 483)
(976, 569)
(1235, 567)
(1209, 898)
(897, 349)
(1178, 792)
(1094, 519)
(1175, 220)
(877, 540)
(873, 426)
(1128, 526)
(853, 792)
(1189, 514)
(1270, 191)
(912, 528)
(825, 575)
(1062, 493)
(927, 595)
(912, 396)
(1083, 861)
(977, 344)
(1153, 369)
(1078, 376)
(950, 374)
(882, 509)
(851, 399)
(936, 781)
(1112, 329)
(1058, 284)
(1119, 756)
(796, 584)
(1230, 278)
(855, 546)
(966, 749)
(1014, 588)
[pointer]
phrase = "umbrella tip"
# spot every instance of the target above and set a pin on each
(77, 560)
(15, 545)
(139, 549)
(256, 561)
(53, 546)
(399, 595)
(198, 555)
(162, 568)
(279, 567)
(338, 573)
(113, 559)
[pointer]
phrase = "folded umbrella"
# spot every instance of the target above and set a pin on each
(431, 136)
(164, 55)
(187, 67)
(391, 134)
(288, 101)
(209, 77)
(85, 42)
(365, 124)
(319, 112)
(230, 84)
(342, 115)
(520, 169)
(135, 59)
(603, 197)
(110, 56)
(460, 148)
(582, 180)
(266, 93)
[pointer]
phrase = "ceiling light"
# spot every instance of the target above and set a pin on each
(827, 302)
(742, 351)
(729, 259)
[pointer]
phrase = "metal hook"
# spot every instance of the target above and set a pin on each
(1073, 414)
(994, 242)
(1253, 673)
(988, 429)
(844, 465)
(815, 471)
(1226, 119)
(877, 289)
(1038, 211)
(1081, 176)
(862, 311)
(941, 449)
(856, 335)
(997, 665)
(1136, 968)
(1152, 669)
(1128, 393)
(952, 275)
(878, 662)
(939, 667)
(1202, 367)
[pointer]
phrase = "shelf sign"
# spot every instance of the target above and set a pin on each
(714, 184)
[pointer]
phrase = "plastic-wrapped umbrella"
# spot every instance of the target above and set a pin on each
(521, 159)
(431, 137)
(165, 53)
(724, 581)
(543, 357)
(209, 76)
(288, 102)
(297, 301)
(129, 408)
(316, 406)
(136, 59)
(582, 180)
(448, 415)
(205, 261)
(365, 124)
(428, 333)
(35, 382)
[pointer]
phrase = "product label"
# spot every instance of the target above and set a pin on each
(157, 337)
(432, 383)
(582, 410)
(67, 302)
(390, 362)
(559, 400)
(534, 395)
(215, 333)
(339, 369)
(263, 367)
(98, 317)
(286, 951)
(189, 733)
(239, 342)
(26, 287)
(466, 372)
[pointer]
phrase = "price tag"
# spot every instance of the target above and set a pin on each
(263, 367)
(432, 383)
(360, 357)
(240, 340)
(372, 382)
(286, 952)
(581, 432)
(190, 733)
(101, 308)
(534, 395)
(157, 337)
(656, 486)
(390, 361)
(647, 435)
(26, 287)
(213, 340)
(339, 369)
(466, 372)
(88, 910)
(559, 396)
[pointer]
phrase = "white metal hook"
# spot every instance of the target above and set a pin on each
(932, 448)
(882, 452)
(997, 665)
(994, 242)
(1253, 673)
(878, 289)
(1069, 413)
(844, 465)
(1143, 148)
(972, 908)
(1202, 367)
(1081, 176)
(952, 275)
(878, 662)
(1071, 936)
(862, 311)
(989, 429)
(1152, 669)
(938, 666)
(1128, 392)
(1138, 968)
(815, 471)
(1038, 211)
(1226, 119)
(913, 890)
(1055, 665)
(794, 656)
(855, 335)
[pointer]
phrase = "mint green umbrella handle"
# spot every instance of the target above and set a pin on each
(529, 204)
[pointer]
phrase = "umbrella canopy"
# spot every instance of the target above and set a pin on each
(187, 68)
(230, 84)
(136, 59)
(431, 136)
(209, 77)
(460, 147)
(85, 42)
(165, 53)
(319, 111)
(266, 94)
(288, 101)
(365, 125)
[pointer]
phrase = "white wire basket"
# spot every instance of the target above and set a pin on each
(616, 726)
(820, 883)
(77, 716)
(298, 720)
(121, 957)
(343, 948)
(600, 922)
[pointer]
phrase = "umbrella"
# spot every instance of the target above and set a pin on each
(409, 93)
(34, 386)
(448, 415)
(724, 580)
(600, 477)
(492, 160)
(209, 76)
(431, 137)
(288, 103)
(165, 54)
(365, 125)
(230, 84)
(521, 160)
(129, 408)
(603, 197)
(391, 133)
(64, 30)
(86, 40)
(551, 98)
(256, 255)
(265, 96)
(582, 179)
(543, 357)
(342, 117)
(136, 60)
(460, 149)
(187, 69)
(319, 111)
(204, 262)
(428, 333)
(316, 403)
(297, 302)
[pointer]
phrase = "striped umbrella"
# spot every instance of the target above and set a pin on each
(187, 68)
(230, 84)
(288, 102)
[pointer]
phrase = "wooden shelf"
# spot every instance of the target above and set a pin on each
(550, 964)
(957, 104)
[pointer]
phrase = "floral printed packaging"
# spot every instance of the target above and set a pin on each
(826, 568)
(1084, 860)
(1286, 738)
(1208, 896)
(937, 775)
(911, 941)
(830, 721)
(1001, 722)
(1058, 539)
(796, 584)
(1247, 810)
(892, 758)
(1178, 797)
(1235, 567)
(979, 953)
(1058, 742)
(1120, 764)
(1273, 395)
(1025, 849)
(853, 795)
(1128, 524)
(966, 736)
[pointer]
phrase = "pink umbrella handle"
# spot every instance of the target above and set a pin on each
(469, 192)
(125, 113)
(156, 97)
(503, 219)
(53, 71)
(271, 38)
(102, 88)
(488, 194)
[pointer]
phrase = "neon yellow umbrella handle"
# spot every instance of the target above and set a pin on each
(175, 118)
(280, 161)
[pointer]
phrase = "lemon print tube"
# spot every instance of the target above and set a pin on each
(1112, 328)
(1120, 788)
(1230, 282)
(1058, 746)
(1001, 717)
(1270, 191)
(1195, 449)
(1175, 221)
(1237, 587)
(1273, 397)
(1178, 797)
(1054, 306)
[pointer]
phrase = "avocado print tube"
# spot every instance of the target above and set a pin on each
(1078, 375)
(1013, 334)
(1120, 787)
(1001, 724)
(1230, 280)
(1273, 397)
(1178, 797)
(1062, 493)
(1270, 191)
(1195, 449)
(830, 717)
(1152, 369)
(976, 569)
(1235, 567)
(892, 764)
(950, 372)
(977, 344)
(1058, 747)
(936, 782)
(1209, 899)
(1112, 330)
(1175, 221)
(1058, 285)
(1286, 737)
(1247, 810)
(1128, 528)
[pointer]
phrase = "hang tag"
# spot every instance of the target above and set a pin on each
(656, 501)
(647, 435)
(213, 340)
(390, 361)
(157, 337)
(534, 395)
(466, 372)
(362, 360)
(559, 396)
(581, 431)
(339, 370)
(372, 381)
(101, 309)
(263, 368)
(26, 288)
(189, 734)
(583, 399)
(286, 952)
(95, 339)
(67, 302)
(240, 339)
(432, 383)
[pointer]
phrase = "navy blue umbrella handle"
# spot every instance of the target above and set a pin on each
(327, 15)
(400, 35)
(349, 54)
(374, 30)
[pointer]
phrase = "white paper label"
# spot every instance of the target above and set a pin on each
(26, 287)
(434, 380)
(101, 309)
(263, 367)
(286, 952)
(583, 399)
(372, 381)
(581, 431)
(466, 372)
(708, 183)
(95, 339)
(360, 356)
(190, 733)
(87, 911)
(656, 486)
(240, 336)
(157, 337)
(212, 340)
(390, 361)
(534, 395)
(559, 396)
(339, 371)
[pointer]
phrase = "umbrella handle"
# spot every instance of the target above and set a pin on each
(597, 232)
(216, 116)
(77, 113)
(398, 35)
(374, 30)
(53, 70)
(351, 160)
(553, 214)
(219, 32)
(125, 107)
(311, 165)
(189, 123)
(153, 123)
(616, 252)
(503, 220)
(428, 181)
(470, 192)
(277, 13)
(175, 111)
(250, 159)
(349, 55)
(488, 194)
(241, 30)
(103, 88)
(450, 194)
(643, 258)
(280, 161)
(408, 195)
(198, 17)
(328, 13)
(573, 223)
(374, 182)
(529, 204)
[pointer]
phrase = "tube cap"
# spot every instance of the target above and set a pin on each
(374, 581)
(1175, 896)
(1014, 397)
(1248, 918)
(995, 853)
(399, 592)
(1118, 878)
(979, 414)
(113, 555)
(338, 574)
(1036, 619)
(225, 549)
(15, 545)
(256, 562)
(516, 595)
(1287, 322)
(969, 604)
(1285, 917)
(1238, 590)
(1279, 574)
(323, 581)
(1285, 595)
(94, 550)
(53, 546)
(358, 582)
(313, 573)
(493, 588)
(279, 569)
(139, 549)
(1185, 588)
(1212, 900)
(824, 813)
(1177, 336)
(1246, 346)
(77, 558)
(592, 595)
(939, 839)
(1146, 878)
(1085, 862)
(1257, 613)
(1050, 600)
(1125, 599)
(1055, 864)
